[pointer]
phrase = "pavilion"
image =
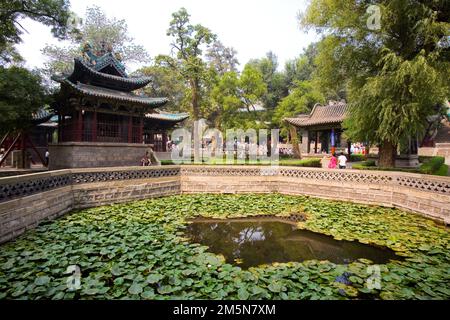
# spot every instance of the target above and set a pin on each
(104, 118)
(321, 130)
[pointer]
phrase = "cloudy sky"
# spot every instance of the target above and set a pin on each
(252, 27)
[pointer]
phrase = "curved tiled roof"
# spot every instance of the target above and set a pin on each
(79, 63)
(332, 113)
(41, 116)
(115, 95)
(165, 116)
(85, 73)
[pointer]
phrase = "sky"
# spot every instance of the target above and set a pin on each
(252, 27)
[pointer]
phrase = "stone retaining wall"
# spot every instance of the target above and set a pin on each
(95, 154)
(28, 199)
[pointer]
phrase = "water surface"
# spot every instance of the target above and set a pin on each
(252, 242)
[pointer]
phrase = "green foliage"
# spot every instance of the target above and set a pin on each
(98, 30)
(301, 99)
(21, 94)
(222, 59)
(301, 68)
(357, 157)
(138, 251)
(423, 159)
(188, 43)
(274, 80)
(234, 97)
(167, 83)
(442, 171)
(394, 76)
(309, 162)
(53, 13)
(364, 165)
(432, 165)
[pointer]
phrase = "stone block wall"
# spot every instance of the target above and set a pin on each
(28, 199)
(100, 193)
(93, 155)
(22, 214)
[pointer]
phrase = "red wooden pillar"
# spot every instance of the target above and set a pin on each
(164, 141)
(94, 126)
(80, 126)
(60, 127)
(316, 142)
(130, 129)
(141, 130)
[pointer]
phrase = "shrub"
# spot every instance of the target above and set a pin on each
(423, 159)
(431, 166)
(443, 171)
(312, 162)
(365, 165)
(357, 157)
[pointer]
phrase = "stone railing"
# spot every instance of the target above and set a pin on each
(27, 199)
(25, 185)
(428, 183)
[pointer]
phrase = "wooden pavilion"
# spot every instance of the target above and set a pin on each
(102, 114)
(321, 130)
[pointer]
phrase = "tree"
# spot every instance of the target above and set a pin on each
(222, 59)
(53, 13)
(302, 67)
(21, 94)
(302, 98)
(394, 73)
(100, 32)
(274, 80)
(235, 98)
(187, 48)
(167, 83)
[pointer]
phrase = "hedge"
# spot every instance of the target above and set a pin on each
(432, 165)
(357, 157)
(310, 162)
(364, 165)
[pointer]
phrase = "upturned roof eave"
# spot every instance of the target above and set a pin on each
(144, 101)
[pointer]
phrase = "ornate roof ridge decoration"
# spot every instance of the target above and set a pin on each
(333, 112)
(82, 65)
(167, 116)
(100, 92)
(102, 60)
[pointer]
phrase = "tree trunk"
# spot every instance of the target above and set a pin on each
(195, 107)
(386, 154)
(294, 141)
(196, 115)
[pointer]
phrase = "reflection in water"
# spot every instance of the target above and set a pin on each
(256, 242)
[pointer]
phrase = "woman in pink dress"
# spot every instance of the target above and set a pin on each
(333, 162)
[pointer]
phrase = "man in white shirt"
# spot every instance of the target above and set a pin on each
(342, 160)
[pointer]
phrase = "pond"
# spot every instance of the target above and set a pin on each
(253, 242)
(139, 250)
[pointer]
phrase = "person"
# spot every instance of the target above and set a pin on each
(342, 161)
(47, 157)
(145, 161)
(333, 162)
